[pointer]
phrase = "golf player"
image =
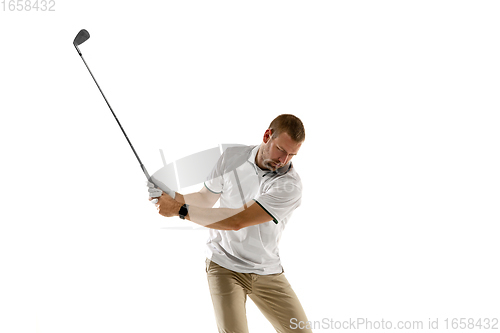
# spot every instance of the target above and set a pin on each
(259, 189)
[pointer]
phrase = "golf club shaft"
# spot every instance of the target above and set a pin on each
(130, 143)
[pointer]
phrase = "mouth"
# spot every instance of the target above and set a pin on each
(273, 165)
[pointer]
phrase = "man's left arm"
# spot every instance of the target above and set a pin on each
(216, 218)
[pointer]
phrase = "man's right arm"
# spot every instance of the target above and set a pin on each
(204, 198)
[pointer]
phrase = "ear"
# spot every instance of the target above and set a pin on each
(267, 135)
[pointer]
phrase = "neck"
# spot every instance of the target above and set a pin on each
(258, 159)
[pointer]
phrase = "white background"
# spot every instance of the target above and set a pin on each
(400, 211)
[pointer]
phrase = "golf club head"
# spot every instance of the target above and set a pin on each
(82, 36)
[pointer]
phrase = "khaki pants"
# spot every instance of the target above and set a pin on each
(272, 294)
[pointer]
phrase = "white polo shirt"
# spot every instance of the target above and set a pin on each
(239, 180)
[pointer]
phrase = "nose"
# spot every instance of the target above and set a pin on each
(283, 158)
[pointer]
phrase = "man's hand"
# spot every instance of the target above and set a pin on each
(156, 190)
(167, 206)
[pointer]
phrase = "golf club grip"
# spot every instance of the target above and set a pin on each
(163, 187)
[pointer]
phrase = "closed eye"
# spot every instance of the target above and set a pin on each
(283, 150)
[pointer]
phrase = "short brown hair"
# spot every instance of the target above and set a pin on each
(289, 124)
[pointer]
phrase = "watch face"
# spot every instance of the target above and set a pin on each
(183, 211)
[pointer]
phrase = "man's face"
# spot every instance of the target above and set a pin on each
(279, 151)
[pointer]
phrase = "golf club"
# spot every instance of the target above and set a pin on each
(80, 38)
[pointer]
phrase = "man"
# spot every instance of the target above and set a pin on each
(258, 189)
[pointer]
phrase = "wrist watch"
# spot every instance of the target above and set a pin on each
(183, 211)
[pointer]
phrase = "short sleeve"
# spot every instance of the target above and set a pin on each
(282, 198)
(215, 182)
